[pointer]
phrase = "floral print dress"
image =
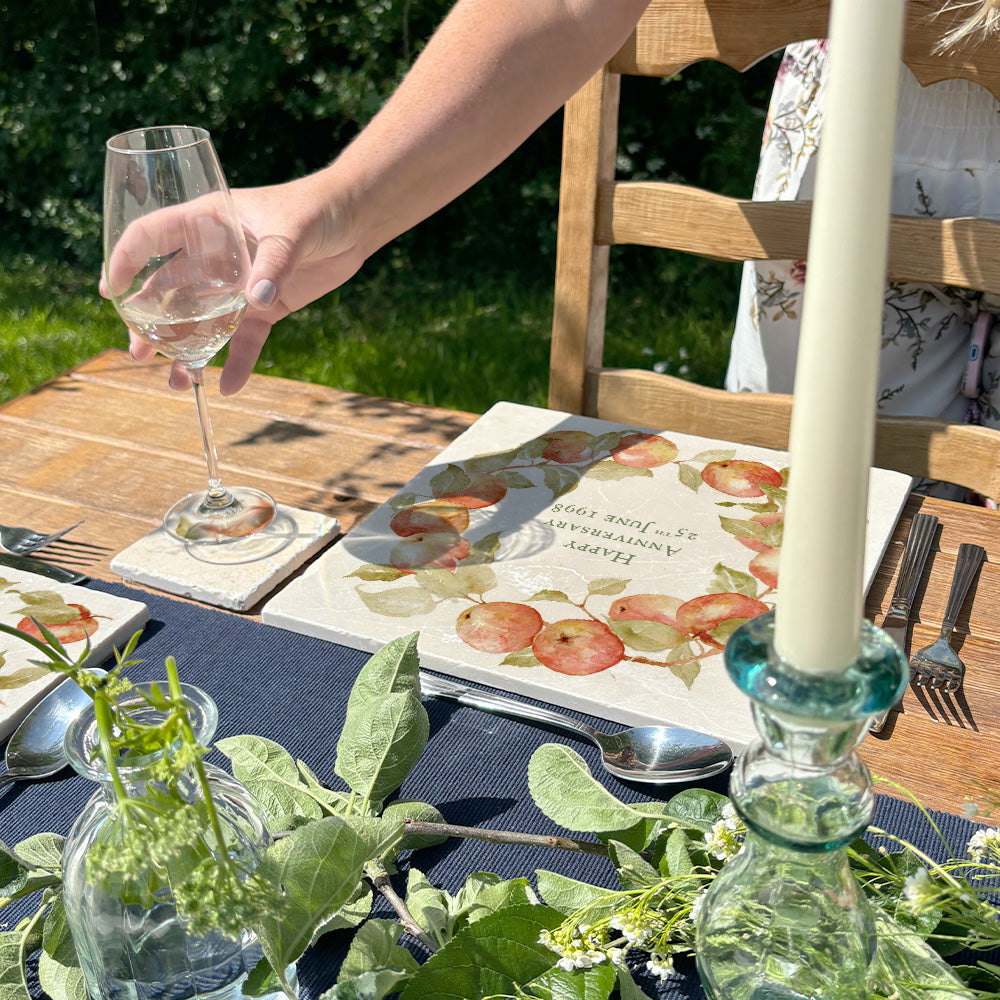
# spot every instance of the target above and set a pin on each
(947, 163)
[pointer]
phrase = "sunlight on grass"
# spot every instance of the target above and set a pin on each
(460, 344)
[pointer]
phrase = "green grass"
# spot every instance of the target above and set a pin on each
(460, 342)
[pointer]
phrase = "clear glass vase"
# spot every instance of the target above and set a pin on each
(131, 941)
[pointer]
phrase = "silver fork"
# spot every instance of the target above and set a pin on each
(22, 541)
(938, 666)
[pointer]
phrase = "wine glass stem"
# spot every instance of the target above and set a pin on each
(218, 495)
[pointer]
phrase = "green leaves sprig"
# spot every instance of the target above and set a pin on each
(555, 937)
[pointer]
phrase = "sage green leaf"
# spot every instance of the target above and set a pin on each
(521, 658)
(334, 801)
(43, 850)
(376, 946)
(421, 812)
(394, 668)
(906, 967)
(595, 983)
(56, 938)
(560, 481)
(372, 985)
(377, 750)
(515, 480)
(726, 580)
(385, 729)
(634, 871)
(695, 808)
(487, 957)
(270, 774)
(429, 906)
(613, 471)
(676, 861)
(13, 875)
(315, 870)
(261, 980)
(627, 987)
(61, 982)
(491, 462)
(564, 789)
(570, 896)
(354, 911)
(15, 947)
(17, 878)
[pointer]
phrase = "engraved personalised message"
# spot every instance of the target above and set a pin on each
(593, 564)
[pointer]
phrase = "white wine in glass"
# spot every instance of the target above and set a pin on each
(175, 265)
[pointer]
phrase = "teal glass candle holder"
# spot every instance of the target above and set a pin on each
(786, 920)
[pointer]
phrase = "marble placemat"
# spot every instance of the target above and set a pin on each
(75, 615)
(235, 575)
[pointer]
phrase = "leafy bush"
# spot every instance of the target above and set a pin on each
(283, 85)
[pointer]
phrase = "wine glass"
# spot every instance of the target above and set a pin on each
(175, 265)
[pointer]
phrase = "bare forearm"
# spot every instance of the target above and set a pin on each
(492, 73)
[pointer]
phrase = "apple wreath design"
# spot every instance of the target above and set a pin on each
(69, 623)
(435, 559)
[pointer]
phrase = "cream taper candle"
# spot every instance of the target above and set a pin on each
(820, 600)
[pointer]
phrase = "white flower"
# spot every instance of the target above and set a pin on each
(918, 891)
(983, 842)
(724, 841)
(696, 906)
(660, 965)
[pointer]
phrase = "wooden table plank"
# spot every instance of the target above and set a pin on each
(110, 443)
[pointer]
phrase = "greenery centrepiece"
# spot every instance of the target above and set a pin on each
(554, 939)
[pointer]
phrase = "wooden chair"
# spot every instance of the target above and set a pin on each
(596, 211)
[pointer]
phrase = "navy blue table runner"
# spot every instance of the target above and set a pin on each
(293, 689)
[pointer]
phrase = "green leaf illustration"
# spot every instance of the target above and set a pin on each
(21, 677)
(403, 602)
(377, 572)
(47, 606)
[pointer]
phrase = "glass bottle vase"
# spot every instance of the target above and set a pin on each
(130, 939)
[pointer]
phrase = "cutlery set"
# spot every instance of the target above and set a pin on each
(936, 666)
(19, 545)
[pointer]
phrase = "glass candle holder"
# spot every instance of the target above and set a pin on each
(786, 919)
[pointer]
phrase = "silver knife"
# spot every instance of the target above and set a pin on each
(30, 565)
(911, 569)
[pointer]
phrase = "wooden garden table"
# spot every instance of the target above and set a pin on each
(110, 443)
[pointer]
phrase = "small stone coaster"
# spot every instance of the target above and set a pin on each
(234, 575)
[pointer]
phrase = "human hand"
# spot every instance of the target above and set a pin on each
(301, 248)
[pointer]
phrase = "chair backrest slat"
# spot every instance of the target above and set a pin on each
(597, 211)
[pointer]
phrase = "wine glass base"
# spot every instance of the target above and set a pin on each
(195, 520)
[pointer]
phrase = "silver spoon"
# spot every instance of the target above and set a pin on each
(652, 754)
(35, 750)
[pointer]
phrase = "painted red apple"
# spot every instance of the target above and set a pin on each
(740, 478)
(701, 615)
(765, 520)
(75, 630)
(483, 490)
(438, 548)
(644, 451)
(431, 517)
(498, 626)
(764, 566)
(647, 608)
(578, 646)
(568, 447)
